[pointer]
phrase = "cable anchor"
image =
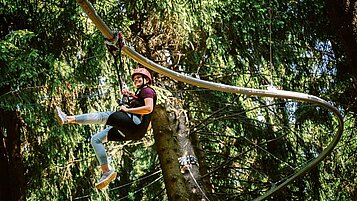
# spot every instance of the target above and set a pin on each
(188, 160)
(114, 46)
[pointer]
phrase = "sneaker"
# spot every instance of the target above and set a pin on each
(106, 178)
(60, 116)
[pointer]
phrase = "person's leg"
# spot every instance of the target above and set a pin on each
(90, 118)
(97, 141)
(99, 149)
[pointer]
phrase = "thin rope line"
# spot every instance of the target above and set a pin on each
(151, 183)
(122, 186)
(127, 184)
(256, 145)
(199, 187)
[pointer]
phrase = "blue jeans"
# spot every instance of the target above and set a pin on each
(98, 139)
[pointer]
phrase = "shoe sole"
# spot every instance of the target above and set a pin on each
(107, 181)
(57, 116)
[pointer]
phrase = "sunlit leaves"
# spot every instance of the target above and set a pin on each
(52, 54)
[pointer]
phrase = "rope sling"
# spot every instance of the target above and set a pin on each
(114, 49)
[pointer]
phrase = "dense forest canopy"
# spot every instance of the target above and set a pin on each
(51, 54)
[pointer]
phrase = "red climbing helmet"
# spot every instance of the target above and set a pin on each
(143, 72)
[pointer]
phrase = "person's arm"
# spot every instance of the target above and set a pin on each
(146, 109)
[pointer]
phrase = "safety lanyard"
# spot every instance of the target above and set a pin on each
(115, 51)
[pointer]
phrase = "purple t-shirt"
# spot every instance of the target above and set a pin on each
(146, 92)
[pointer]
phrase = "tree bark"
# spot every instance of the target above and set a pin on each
(11, 167)
(172, 137)
(188, 158)
(167, 149)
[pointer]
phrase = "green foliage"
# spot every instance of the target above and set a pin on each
(62, 61)
(51, 54)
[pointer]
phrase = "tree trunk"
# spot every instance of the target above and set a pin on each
(343, 18)
(171, 131)
(167, 149)
(188, 159)
(11, 167)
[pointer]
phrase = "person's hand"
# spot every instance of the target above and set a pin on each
(125, 90)
(123, 108)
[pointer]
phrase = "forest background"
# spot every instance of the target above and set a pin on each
(51, 54)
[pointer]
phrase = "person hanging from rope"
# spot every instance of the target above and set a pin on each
(128, 123)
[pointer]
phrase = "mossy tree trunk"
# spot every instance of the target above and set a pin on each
(171, 133)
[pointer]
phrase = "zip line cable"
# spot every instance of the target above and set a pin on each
(272, 92)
